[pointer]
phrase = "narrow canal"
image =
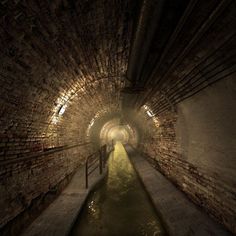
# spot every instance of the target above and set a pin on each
(120, 206)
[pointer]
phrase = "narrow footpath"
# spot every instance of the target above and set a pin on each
(181, 216)
(59, 217)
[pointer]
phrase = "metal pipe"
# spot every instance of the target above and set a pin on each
(204, 27)
(147, 24)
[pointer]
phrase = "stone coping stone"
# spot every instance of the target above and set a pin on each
(180, 216)
(59, 217)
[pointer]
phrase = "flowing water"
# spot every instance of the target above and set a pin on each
(120, 206)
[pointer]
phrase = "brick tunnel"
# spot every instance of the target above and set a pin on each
(157, 76)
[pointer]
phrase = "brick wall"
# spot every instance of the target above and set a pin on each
(54, 56)
(203, 185)
(23, 180)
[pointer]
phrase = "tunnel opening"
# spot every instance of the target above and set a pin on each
(114, 130)
(118, 134)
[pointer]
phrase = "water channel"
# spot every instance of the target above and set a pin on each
(120, 206)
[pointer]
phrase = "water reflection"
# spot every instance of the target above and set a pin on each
(120, 206)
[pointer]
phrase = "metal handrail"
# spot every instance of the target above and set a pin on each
(41, 153)
(95, 160)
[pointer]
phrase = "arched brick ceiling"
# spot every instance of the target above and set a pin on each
(73, 55)
(100, 98)
(58, 53)
(65, 63)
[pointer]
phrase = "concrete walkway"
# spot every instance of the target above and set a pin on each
(180, 216)
(59, 217)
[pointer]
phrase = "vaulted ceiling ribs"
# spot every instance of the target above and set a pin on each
(51, 50)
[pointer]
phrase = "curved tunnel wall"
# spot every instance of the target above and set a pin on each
(194, 102)
(54, 82)
(45, 69)
(195, 148)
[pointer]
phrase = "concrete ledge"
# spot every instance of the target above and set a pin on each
(59, 217)
(180, 216)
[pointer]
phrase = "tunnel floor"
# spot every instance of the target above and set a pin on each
(120, 206)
